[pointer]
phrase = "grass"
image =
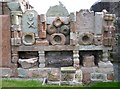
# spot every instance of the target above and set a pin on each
(20, 83)
(106, 84)
(29, 83)
(34, 83)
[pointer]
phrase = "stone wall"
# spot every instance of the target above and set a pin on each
(80, 41)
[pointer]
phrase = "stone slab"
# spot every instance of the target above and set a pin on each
(85, 21)
(5, 42)
(6, 72)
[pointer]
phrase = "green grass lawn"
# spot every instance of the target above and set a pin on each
(29, 83)
(33, 83)
(20, 83)
(106, 84)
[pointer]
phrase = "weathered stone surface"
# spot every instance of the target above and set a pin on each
(41, 27)
(28, 63)
(98, 77)
(73, 38)
(88, 69)
(85, 21)
(42, 65)
(37, 73)
(22, 73)
(86, 78)
(88, 61)
(98, 40)
(54, 74)
(68, 73)
(33, 72)
(104, 70)
(116, 66)
(59, 59)
(5, 9)
(6, 72)
(42, 42)
(78, 75)
(30, 22)
(14, 57)
(68, 69)
(67, 76)
(110, 76)
(15, 41)
(5, 41)
(98, 22)
(105, 64)
(49, 20)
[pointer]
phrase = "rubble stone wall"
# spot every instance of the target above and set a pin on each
(43, 46)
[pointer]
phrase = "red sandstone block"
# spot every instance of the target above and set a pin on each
(86, 78)
(5, 41)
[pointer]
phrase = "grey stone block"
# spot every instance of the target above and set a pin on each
(105, 64)
(6, 72)
(41, 65)
(98, 77)
(22, 73)
(51, 19)
(98, 22)
(28, 63)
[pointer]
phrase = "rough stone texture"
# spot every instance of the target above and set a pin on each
(116, 71)
(73, 38)
(98, 40)
(88, 61)
(57, 59)
(15, 41)
(68, 73)
(5, 9)
(33, 72)
(30, 22)
(105, 64)
(42, 65)
(5, 42)
(67, 76)
(22, 73)
(98, 22)
(28, 63)
(78, 75)
(6, 72)
(54, 74)
(86, 78)
(41, 26)
(110, 76)
(37, 73)
(105, 70)
(85, 21)
(98, 77)
(88, 69)
(42, 42)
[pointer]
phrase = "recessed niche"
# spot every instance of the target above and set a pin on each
(59, 58)
(93, 55)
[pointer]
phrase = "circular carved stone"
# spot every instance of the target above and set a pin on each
(28, 38)
(86, 39)
(65, 30)
(51, 29)
(57, 39)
